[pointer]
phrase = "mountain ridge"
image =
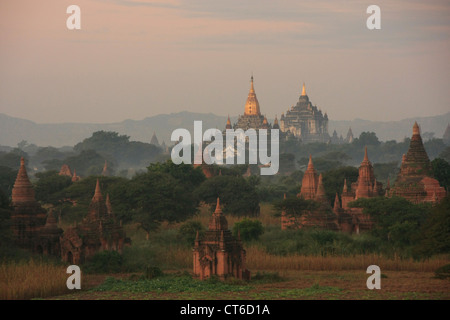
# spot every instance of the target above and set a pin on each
(13, 130)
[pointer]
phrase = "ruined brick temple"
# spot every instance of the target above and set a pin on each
(218, 252)
(99, 231)
(414, 183)
(37, 231)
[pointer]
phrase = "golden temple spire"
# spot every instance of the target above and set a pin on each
(252, 104)
(303, 90)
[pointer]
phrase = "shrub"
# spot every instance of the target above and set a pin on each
(105, 262)
(443, 272)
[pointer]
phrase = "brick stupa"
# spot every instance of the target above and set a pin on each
(31, 227)
(218, 252)
(415, 181)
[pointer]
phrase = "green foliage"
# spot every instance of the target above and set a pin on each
(445, 154)
(441, 171)
(152, 272)
(333, 180)
(287, 163)
(48, 187)
(434, 235)
(383, 171)
(295, 206)
(104, 262)
(366, 139)
(248, 229)
(267, 277)
(154, 197)
(12, 159)
(397, 220)
(319, 242)
(185, 173)
(188, 231)
(237, 196)
(118, 148)
(172, 283)
(88, 162)
(7, 179)
(434, 147)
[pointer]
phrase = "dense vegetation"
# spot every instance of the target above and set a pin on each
(148, 192)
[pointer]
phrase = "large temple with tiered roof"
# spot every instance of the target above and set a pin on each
(305, 121)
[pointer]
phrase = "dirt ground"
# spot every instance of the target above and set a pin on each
(296, 285)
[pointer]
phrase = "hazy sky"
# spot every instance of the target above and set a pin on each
(137, 58)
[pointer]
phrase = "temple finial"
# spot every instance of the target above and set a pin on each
(303, 90)
(416, 129)
(218, 209)
(310, 163)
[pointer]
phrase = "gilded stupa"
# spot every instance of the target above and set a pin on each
(252, 117)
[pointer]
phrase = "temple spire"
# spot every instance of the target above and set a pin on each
(252, 104)
(228, 126)
(218, 209)
(416, 129)
(98, 193)
(310, 164)
(345, 186)
(23, 190)
(303, 90)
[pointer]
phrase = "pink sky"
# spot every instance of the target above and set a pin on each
(134, 59)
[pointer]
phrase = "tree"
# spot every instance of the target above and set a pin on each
(236, 195)
(188, 231)
(248, 229)
(366, 139)
(185, 173)
(48, 187)
(441, 171)
(118, 148)
(294, 206)
(7, 179)
(445, 154)
(12, 159)
(333, 180)
(88, 162)
(396, 220)
(434, 236)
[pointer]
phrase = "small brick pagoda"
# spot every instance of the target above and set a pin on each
(32, 228)
(218, 252)
(99, 231)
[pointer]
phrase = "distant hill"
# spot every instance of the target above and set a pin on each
(14, 130)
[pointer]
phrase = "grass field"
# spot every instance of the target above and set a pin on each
(274, 276)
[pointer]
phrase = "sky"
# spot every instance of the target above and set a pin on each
(133, 59)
